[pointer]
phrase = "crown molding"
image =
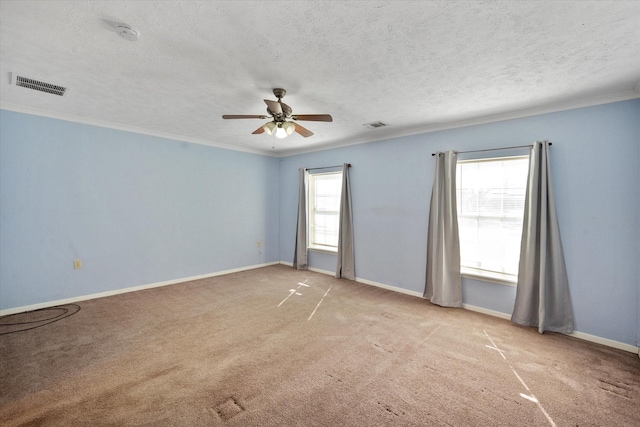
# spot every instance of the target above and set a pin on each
(132, 129)
(435, 127)
(518, 114)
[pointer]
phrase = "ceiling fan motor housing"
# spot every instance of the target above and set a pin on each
(286, 112)
(279, 92)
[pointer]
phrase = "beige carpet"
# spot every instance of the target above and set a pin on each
(258, 348)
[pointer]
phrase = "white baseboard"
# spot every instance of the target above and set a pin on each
(126, 290)
(360, 280)
(389, 287)
(605, 341)
(581, 335)
(486, 311)
(315, 270)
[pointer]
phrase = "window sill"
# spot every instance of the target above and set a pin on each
(323, 249)
(500, 279)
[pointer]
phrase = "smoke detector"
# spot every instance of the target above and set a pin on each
(127, 32)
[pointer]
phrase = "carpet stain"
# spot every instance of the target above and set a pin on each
(228, 409)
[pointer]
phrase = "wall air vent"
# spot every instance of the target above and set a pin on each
(38, 85)
(375, 125)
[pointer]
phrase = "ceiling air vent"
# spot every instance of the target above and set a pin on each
(375, 125)
(39, 85)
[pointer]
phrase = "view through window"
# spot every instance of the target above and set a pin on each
(490, 199)
(324, 210)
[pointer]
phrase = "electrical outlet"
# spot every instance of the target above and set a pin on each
(259, 243)
(77, 264)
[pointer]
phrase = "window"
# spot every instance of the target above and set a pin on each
(490, 198)
(324, 210)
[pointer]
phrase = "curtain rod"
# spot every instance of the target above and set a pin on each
(494, 149)
(327, 167)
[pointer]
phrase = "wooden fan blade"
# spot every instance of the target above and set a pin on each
(313, 117)
(302, 131)
(240, 116)
(258, 131)
(274, 106)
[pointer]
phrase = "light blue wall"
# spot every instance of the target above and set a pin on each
(138, 209)
(389, 198)
(595, 168)
(135, 209)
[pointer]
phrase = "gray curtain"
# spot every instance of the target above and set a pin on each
(345, 267)
(542, 296)
(444, 284)
(300, 254)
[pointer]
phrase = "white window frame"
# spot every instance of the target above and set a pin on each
(315, 211)
(476, 271)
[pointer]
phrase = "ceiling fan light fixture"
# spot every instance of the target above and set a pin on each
(289, 127)
(279, 112)
(269, 127)
(281, 132)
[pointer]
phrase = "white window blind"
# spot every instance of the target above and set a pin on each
(490, 198)
(324, 209)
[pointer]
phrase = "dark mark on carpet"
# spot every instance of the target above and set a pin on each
(390, 410)
(228, 409)
(619, 389)
(378, 346)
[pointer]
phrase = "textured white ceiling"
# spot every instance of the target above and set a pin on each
(415, 65)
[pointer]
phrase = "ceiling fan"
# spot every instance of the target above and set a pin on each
(280, 115)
